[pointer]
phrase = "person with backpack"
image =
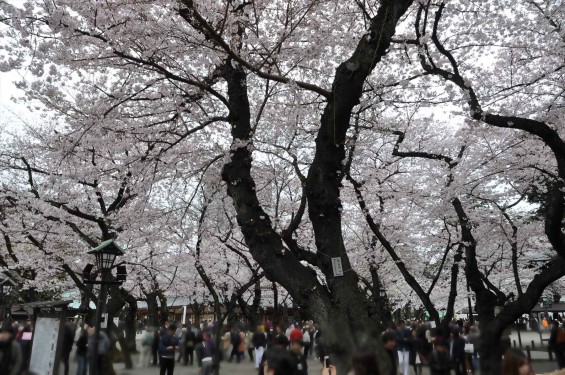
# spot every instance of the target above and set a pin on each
(235, 338)
(556, 343)
(440, 361)
(189, 344)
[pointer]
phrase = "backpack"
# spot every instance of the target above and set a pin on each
(235, 339)
(560, 337)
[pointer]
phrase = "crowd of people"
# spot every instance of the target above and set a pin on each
(276, 350)
(189, 345)
(15, 348)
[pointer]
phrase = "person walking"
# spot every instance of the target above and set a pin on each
(205, 354)
(103, 348)
(457, 352)
(168, 344)
(259, 341)
(440, 361)
(389, 344)
(306, 339)
(296, 346)
(182, 343)
(556, 343)
(10, 352)
(189, 345)
(155, 346)
(146, 345)
(68, 341)
(82, 352)
(403, 335)
(474, 339)
(416, 349)
(235, 338)
(249, 343)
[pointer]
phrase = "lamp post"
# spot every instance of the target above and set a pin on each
(384, 307)
(470, 297)
(105, 254)
(6, 288)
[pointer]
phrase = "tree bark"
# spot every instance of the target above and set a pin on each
(341, 306)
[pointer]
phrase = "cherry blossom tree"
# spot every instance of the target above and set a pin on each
(277, 102)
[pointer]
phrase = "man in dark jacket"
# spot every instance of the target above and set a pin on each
(440, 361)
(190, 343)
(457, 352)
(68, 341)
(280, 342)
(10, 353)
(168, 344)
(389, 343)
(259, 341)
(403, 335)
(556, 343)
(296, 345)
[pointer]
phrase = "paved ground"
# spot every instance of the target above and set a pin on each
(540, 360)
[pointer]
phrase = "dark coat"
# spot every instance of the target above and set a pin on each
(416, 350)
(457, 346)
(203, 349)
(440, 363)
(300, 366)
(166, 341)
(403, 338)
(259, 339)
(392, 354)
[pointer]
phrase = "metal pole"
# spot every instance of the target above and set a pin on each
(471, 318)
(100, 307)
(519, 336)
(2, 316)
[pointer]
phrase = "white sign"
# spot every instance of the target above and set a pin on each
(44, 347)
(337, 267)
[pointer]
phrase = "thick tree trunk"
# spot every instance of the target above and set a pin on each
(152, 309)
(131, 326)
(116, 333)
(340, 306)
(491, 350)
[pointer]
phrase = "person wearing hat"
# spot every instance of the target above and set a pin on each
(10, 353)
(439, 360)
(296, 345)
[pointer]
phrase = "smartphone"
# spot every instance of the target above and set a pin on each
(327, 362)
